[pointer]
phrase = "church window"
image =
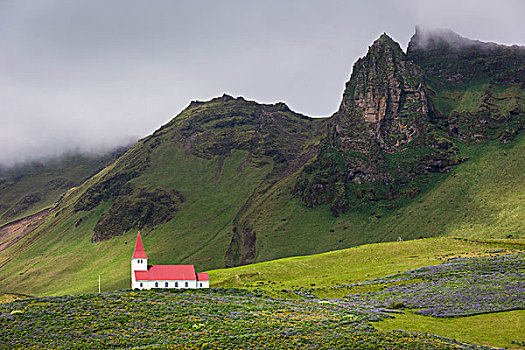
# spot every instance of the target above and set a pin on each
(166, 284)
(156, 284)
(200, 285)
(176, 284)
(140, 284)
(186, 284)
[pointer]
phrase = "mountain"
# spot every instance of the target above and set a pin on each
(230, 182)
(29, 188)
(381, 139)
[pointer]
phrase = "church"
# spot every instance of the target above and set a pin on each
(144, 276)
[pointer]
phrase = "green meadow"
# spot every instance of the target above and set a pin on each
(285, 303)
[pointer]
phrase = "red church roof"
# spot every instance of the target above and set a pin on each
(167, 273)
(203, 276)
(139, 252)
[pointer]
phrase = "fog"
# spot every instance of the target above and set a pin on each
(92, 75)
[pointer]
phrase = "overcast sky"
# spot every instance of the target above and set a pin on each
(90, 75)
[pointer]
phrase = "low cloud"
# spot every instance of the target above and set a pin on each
(89, 76)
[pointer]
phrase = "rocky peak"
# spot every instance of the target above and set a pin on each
(384, 97)
(381, 137)
(386, 43)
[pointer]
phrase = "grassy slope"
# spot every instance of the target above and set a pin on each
(479, 198)
(47, 181)
(320, 272)
(355, 264)
(65, 261)
(494, 329)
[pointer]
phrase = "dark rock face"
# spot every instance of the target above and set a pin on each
(384, 104)
(380, 137)
(139, 208)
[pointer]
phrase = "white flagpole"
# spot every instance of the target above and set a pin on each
(99, 283)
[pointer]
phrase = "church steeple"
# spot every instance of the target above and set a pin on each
(139, 252)
(139, 260)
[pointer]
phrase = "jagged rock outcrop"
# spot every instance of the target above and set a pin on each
(379, 138)
(384, 104)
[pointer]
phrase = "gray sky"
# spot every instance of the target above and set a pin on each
(90, 75)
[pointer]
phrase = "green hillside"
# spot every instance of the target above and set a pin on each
(321, 272)
(201, 231)
(29, 188)
(230, 182)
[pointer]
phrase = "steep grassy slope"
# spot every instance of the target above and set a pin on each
(200, 234)
(217, 168)
(479, 198)
(29, 188)
(474, 200)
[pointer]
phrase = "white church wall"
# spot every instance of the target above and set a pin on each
(203, 284)
(190, 284)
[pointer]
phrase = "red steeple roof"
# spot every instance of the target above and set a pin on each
(139, 252)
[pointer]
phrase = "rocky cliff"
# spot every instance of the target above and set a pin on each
(384, 104)
(380, 138)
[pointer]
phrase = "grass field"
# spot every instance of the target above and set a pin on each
(493, 329)
(289, 303)
(356, 264)
(200, 319)
(7, 297)
(329, 275)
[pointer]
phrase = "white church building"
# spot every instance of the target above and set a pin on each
(163, 276)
